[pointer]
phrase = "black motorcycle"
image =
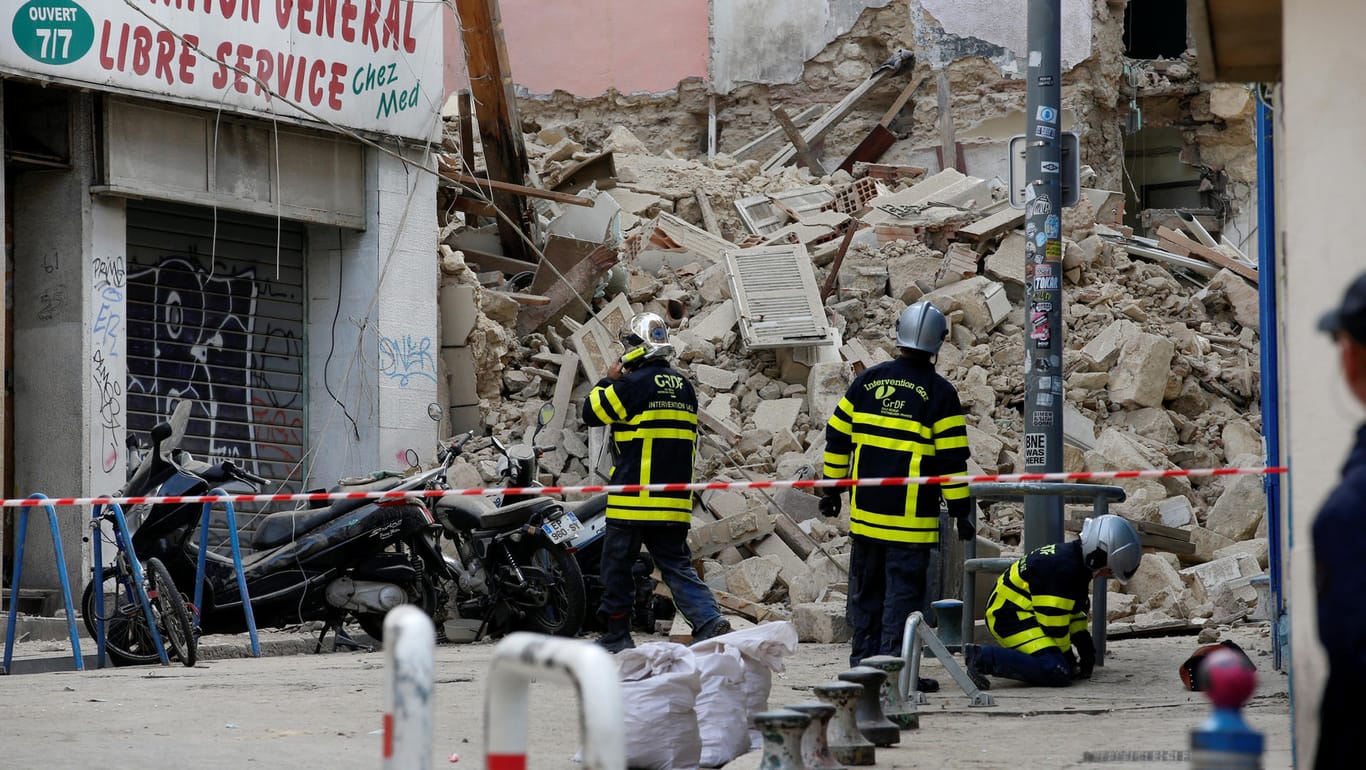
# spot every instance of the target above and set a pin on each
(353, 558)
(511, 569)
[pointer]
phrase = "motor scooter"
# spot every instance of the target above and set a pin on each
(349, 559)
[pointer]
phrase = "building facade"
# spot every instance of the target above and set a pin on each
(224, 202)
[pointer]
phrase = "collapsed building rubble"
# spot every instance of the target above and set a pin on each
(1160, 363)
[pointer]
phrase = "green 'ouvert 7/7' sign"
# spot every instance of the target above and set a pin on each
(53, 31)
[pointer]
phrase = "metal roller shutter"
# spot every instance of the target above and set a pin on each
(217, 321)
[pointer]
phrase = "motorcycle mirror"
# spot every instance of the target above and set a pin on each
(546, 414)
(160, 432)
(410, 457)
(434, 411)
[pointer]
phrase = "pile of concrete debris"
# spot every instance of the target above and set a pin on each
(1160, 363)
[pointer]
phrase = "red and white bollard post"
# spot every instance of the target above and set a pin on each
(409, 679)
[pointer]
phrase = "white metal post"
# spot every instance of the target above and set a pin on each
(587, 666)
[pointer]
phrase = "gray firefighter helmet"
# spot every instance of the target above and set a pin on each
(922, 327)
(1110, 541)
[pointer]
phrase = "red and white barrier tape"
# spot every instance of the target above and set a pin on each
(697, 486)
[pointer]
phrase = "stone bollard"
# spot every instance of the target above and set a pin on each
(871, 721)
(815, 748)
(1225, 741)
(782, 730)
(846, 741)
(897, 710)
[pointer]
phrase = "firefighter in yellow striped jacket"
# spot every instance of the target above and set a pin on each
(899, 418)
(652, 410)
(1038, 611)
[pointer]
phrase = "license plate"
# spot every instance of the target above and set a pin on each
(563, 528)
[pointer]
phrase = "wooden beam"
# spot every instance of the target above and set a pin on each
(839, 260)
(466, 104)
(948, 147)
(805, 156)
(1213, 256)
(801, 119)
(453, 174)
(500, 127)
(815, 132)
(708, 215)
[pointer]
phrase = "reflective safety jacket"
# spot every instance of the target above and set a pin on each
(653, 414)
(1041, 601)
(897, 419)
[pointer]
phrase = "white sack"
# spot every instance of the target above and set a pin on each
(761, 649)
(722, 717)
(659, 687)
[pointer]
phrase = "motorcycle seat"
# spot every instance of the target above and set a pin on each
(278, 528)
(474, 513)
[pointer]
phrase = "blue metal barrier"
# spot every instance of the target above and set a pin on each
(236, 565)
(123, 539)
(61, 572)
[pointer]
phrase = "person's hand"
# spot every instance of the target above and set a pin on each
(831, 502)
(614, 371)
(1086, 654)
(965, 529)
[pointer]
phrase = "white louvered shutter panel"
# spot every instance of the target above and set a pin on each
(776, 297)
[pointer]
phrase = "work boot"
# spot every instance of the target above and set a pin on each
(926, 684)
(714, 627)
(972, 663)
(618, 635)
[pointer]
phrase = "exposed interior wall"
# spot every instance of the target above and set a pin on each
(1324, 78)
(590, 48)
(372, 319)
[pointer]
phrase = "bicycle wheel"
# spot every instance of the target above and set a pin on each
(128, 640)
(174, 620)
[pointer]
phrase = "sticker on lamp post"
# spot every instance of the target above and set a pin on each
(53, 31)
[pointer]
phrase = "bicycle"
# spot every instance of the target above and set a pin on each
(130, 638)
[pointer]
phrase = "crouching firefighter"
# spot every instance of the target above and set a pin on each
(652, 410)
(1037, 613)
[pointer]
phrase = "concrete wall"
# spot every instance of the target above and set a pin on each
(1324, 78)
(995, 29)
(768, 41)
(52, 383)
(379, 358)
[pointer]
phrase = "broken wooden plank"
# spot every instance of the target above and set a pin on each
(474, 206)
(1213, 256)
(450, 172)
(805, 156)
(801, 119)
(522, 298)
(708, 215)
(839, 260)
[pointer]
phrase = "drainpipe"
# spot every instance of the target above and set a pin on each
(1270, 364)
